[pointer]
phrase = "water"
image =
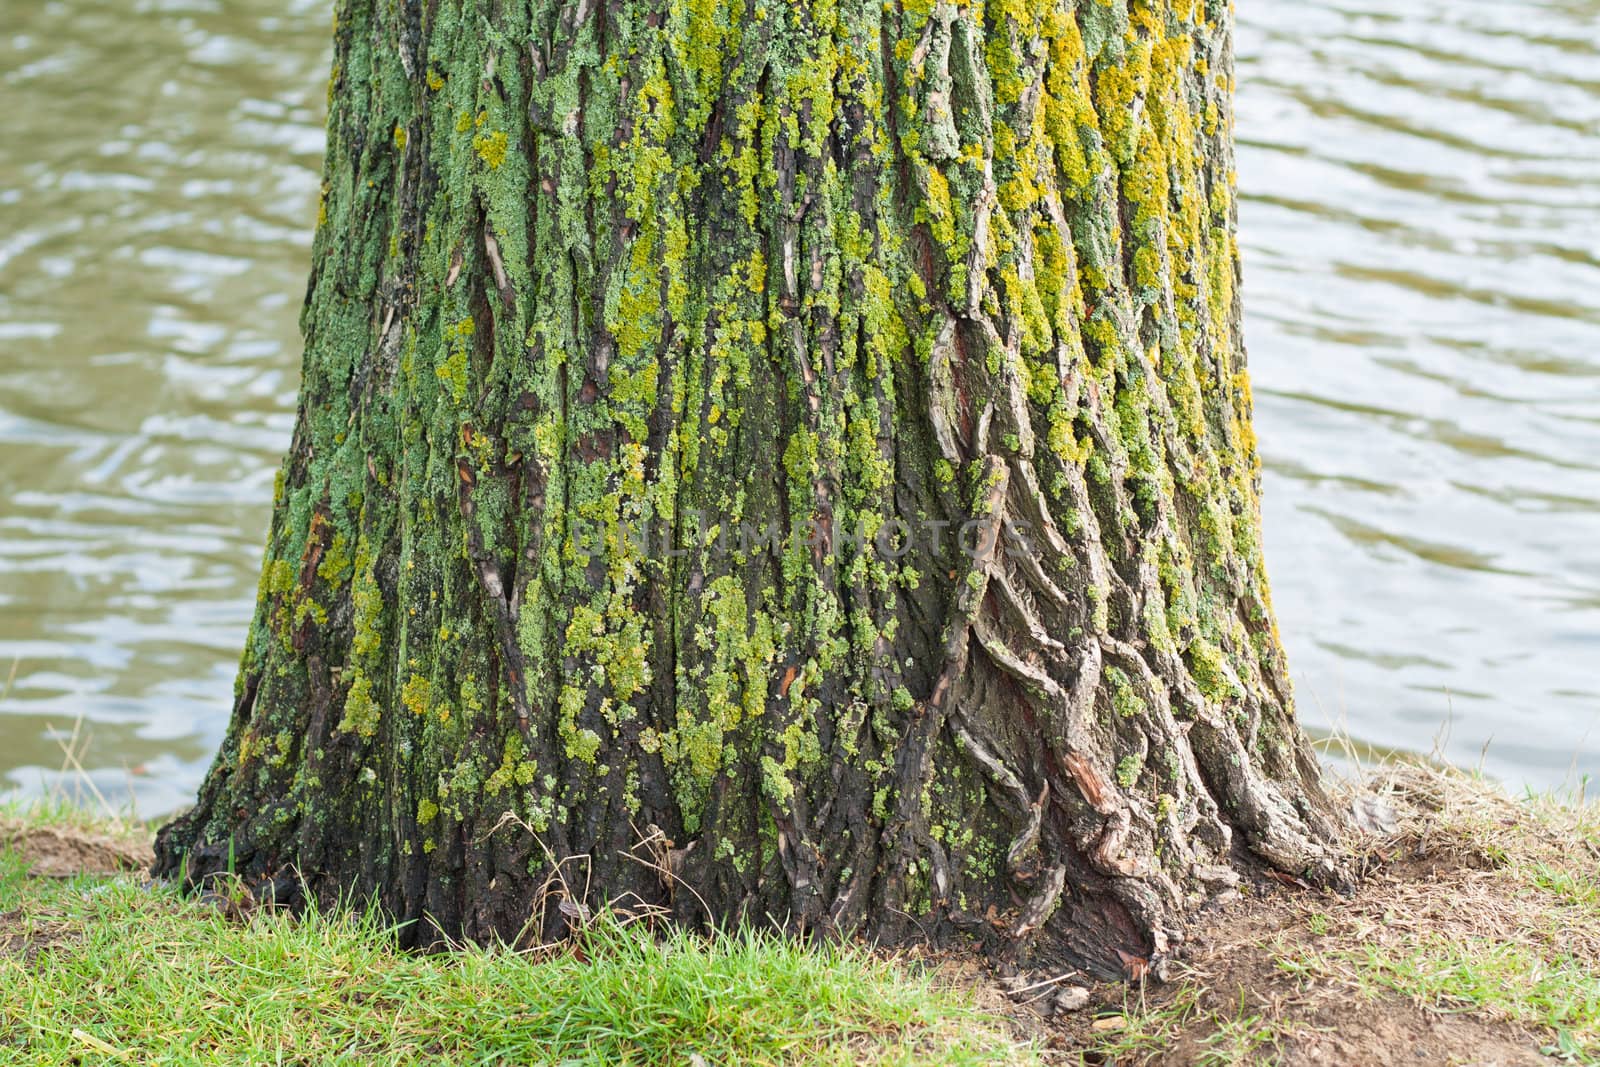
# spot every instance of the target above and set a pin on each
(1421, 228)
(158, 175)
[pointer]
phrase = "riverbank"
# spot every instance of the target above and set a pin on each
(1474, 938)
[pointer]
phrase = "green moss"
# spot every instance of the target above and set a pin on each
(416, 694)
(514, 769)
(800, 456)
(278, 577)
(1124, 700)
(336, 562)
(1206, 665)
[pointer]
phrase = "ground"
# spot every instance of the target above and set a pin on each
(1473, 938)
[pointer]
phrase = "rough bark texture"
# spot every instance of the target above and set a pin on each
(614, 304)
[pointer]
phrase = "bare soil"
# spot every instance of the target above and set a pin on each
(60, 852)
(65, 852)
(1269, 977)
(1235, 972)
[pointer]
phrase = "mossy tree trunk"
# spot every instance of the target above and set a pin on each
(785, 462)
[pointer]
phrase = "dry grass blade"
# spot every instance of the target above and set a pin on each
(72, 768)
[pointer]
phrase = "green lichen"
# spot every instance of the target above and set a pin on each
(491, 148)
(1128, 770)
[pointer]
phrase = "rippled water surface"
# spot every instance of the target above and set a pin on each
(1421, 229)
(158, 169)
(1422, 236)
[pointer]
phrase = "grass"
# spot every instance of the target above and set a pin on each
(1513, 934)
(1510, 981)
(104, 970)
(1209, 1034)
(1474, 937)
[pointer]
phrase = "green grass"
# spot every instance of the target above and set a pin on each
(136, 975)
(1508, 981)
(1573, 889)
(1536, 968)
(59, 809)
(1243, 1037)
(1481, 911)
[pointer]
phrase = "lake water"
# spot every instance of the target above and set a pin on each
(1421, 230)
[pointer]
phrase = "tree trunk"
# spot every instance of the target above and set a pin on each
(783, 462)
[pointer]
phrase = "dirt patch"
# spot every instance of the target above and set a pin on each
(1393, 1031)
(65, 852)
(1237, 1003)
(25, 935)
(1277, 976)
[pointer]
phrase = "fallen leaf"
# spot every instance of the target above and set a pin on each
(1288, 879)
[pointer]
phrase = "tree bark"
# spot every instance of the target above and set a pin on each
(780, 462)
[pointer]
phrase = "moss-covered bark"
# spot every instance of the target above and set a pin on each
(614, 304)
